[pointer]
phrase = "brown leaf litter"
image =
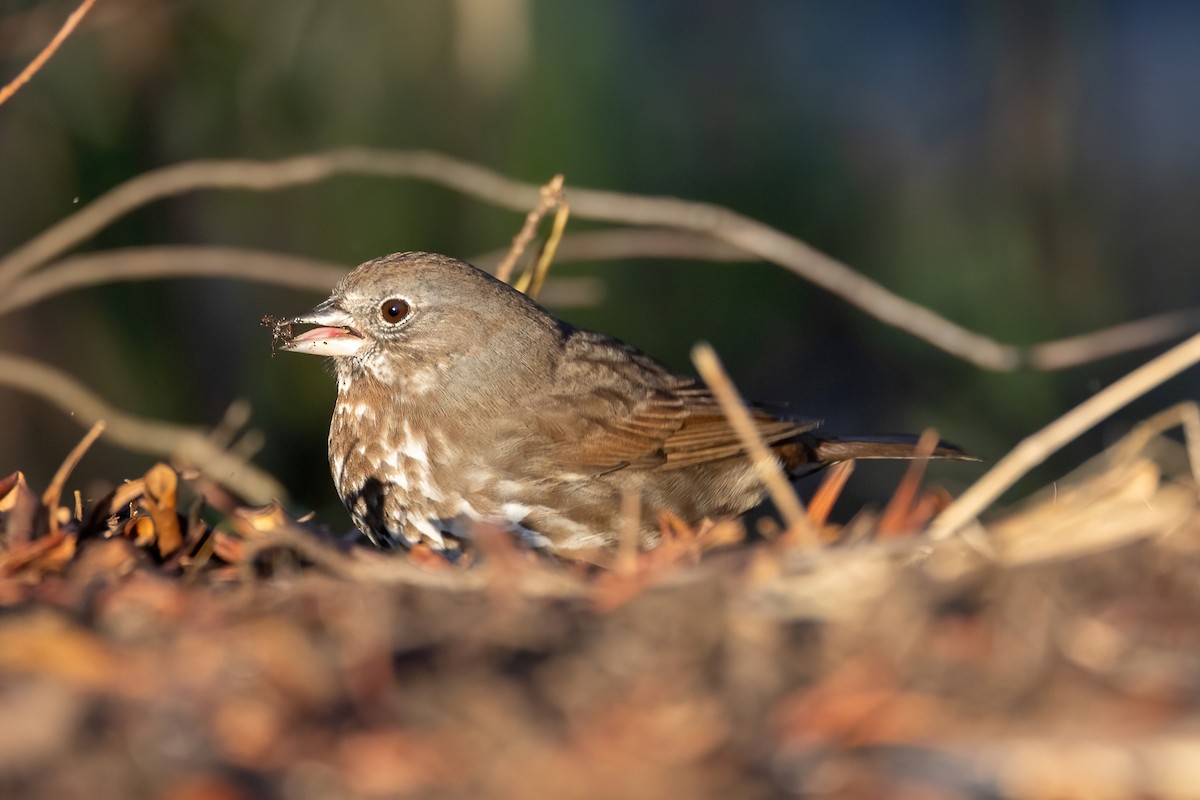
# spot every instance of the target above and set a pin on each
(164, 641)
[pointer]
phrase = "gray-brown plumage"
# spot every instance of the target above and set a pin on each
(462, 401)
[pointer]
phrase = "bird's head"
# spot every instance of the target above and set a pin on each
(403, 317)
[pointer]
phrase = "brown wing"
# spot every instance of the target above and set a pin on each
(706, 434)
(613, 407)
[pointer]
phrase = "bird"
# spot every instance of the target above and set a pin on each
(461, 402)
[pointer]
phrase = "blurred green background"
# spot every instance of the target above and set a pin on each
(1028, 169)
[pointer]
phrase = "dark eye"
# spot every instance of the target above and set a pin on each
(394, 310)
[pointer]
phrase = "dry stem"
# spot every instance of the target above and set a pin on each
(821, 505)
(1185, 415)
(538, 276)
(53, 493)
(549, 197)
(297, 272)
(41, 58)
(1087, 347)
(898, 513)
(1035, 449)
(769, 471)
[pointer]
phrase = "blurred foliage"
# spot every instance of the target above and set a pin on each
(1021, 167)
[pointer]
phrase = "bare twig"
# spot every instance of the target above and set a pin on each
(769, 470)
(1035, 449)
(182, 261)
(53, 493)
(143, 263)
(470, 179)
(41, 58)
(187, 444)
(549, 196)
(616, 244)
(1088, 347)
(737, 232)
(259, 176)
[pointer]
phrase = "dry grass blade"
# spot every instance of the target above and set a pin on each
(769, 471)
(549, 197)
(897, 517)
(41, 58)
(1119, 497)
(1034, 450)
(821, 505)
(542, 268)
(1185, 415)
(1124, 503)
(53, 493)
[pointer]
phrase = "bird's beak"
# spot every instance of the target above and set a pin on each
(334, 334)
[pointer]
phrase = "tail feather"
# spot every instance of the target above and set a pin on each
(809, 451)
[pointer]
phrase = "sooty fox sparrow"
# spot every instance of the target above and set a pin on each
(461, 401)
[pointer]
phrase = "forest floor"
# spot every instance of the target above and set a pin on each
(169, 642)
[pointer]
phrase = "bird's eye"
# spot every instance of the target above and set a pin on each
(394, 310)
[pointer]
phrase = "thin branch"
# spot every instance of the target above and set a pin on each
(41, 58)
(260, 176)
(1038, 447)
(141, 263)
(475, 181)
(740, 235)
(297, 272)
(189, 445)
(629, 243)
(1085, 348)
(766, 464)
(257, 266)
(619, 244)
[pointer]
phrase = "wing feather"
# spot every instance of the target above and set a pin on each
(626, 410)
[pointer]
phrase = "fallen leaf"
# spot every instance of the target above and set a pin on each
(162, 485)
(47, 554)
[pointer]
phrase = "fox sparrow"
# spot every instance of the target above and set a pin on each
(461, 401)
